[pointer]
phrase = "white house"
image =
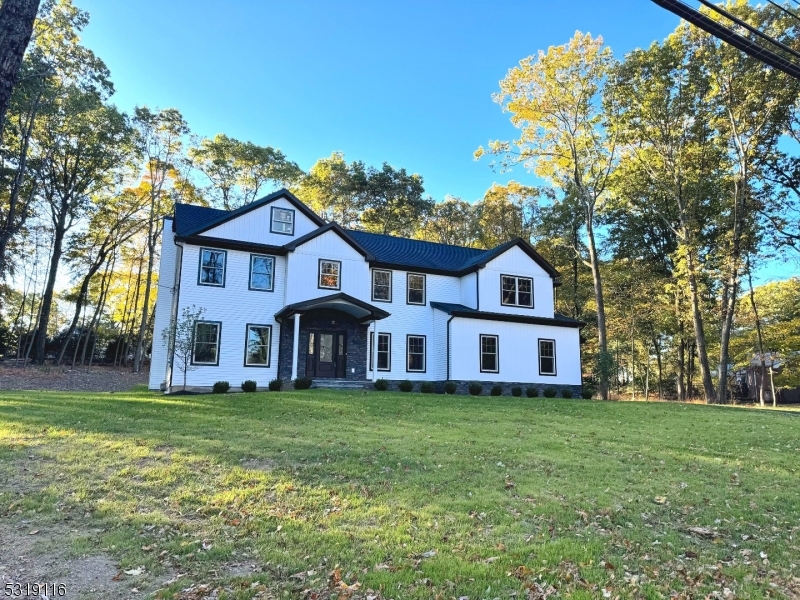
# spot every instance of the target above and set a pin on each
(288, 295)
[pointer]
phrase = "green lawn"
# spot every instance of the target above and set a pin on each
(413, 496)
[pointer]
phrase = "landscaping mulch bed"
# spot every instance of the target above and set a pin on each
(98, 379)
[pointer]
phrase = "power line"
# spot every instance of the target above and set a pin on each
(784, 9)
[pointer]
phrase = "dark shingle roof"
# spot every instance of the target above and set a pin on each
(189, 217)
(459, 310)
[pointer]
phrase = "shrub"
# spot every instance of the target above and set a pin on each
(475, 388)
(450, 387)
(405, 386)
(275, 385)
(587, 393)
(516, 391)
(381, 385)
(566, 393)
(249, 386)
(549, 392)
(532, 392)
(220, 387)
(302, 383)
(497, 390)
(426, 387)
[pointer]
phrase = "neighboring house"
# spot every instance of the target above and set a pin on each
(288, 295)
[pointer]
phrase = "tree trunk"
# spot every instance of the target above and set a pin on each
(657, 347)
(598, 297)
(76, 317)
(681, 378)
(151, 251)
(772, 385)
(699, 333)
(47, 297)
(759, 335)
(16, 28)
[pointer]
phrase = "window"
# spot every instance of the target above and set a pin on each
(384, 350)
(547, 357)
(329, 274)
(415, 345)
(212, 267)
(262, 269)
(517, 291)
(256, 352)
(282, 221)
(490, 360)
(205, 348)
(382, 286)
(416, 289)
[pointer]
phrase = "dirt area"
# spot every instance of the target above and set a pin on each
(98, 379)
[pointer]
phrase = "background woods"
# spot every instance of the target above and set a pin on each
(658, 183)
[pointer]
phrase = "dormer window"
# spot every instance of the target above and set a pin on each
(516, 291)
(282, 221)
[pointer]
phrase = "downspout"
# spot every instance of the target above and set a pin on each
(448, 347)
(175, 305)
(478, 289)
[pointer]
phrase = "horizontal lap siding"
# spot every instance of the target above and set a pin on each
(164, 296)
(235, 306)
(515, 262)
(519, 352)
(255, 226)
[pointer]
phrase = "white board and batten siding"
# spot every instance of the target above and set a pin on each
(235, 306)
(515, 262)
(164, 298)
(256, 226)
(469, 290)
(518, 352)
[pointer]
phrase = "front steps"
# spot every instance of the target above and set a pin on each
(338, 384)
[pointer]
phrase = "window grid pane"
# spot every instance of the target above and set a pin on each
(212, 267)
(282, 220)
(206, 336)
(488, 353)
(258, 345)
(547, 357)
(416, 289)
(261, 269)
(329, 274)
(416, 353)
(381, 285)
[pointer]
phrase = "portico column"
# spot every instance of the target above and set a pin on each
(296, 345)
(374, 351)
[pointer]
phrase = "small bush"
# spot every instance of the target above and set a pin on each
(406, 386)
(426, 387)
(249, 386)
(381, 385)
(566, 393)
(450, 387)
(302, 383)
(549, 392)
(532, 392)
(587, 393)
(497, 390)
(275, 385)
(220, 387)
(475, 388)
(516, 391)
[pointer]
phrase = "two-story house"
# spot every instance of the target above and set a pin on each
(288, 295)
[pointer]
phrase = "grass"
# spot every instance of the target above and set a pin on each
(411, 495)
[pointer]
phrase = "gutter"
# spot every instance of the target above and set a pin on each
(448, 347)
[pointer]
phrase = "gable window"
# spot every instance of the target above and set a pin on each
(416, 289)
(282, 221)
(262, 269)
(330, 274)
(212, 267)
(384, 350)
(256, 353)
(517, 291)
(490, 359)
(415, 351)
(547, 357)
(382, 286)
(205, 344)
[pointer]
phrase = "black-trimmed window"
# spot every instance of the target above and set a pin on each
(547, 357)
(384, 351)
(330, 274)
(212, 267)
(282, 221)
(381, 285)
(205, 343)
(262, 273)
(490, 354)
(516, 291)
(415, 353)
(257, 343)
(415, 288)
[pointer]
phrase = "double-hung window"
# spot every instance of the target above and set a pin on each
(490, 354)
(282, 221)
(381, 285)
(257, 342)
(262, 272)
(547, 357)
(516, 291)
(416, 289)
(384, 351)
(415, 353)
(212, 267)
(205, 343)
(330, 273)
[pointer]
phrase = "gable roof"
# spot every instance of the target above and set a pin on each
(459, 310)
(336, 228)
(210, 220)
